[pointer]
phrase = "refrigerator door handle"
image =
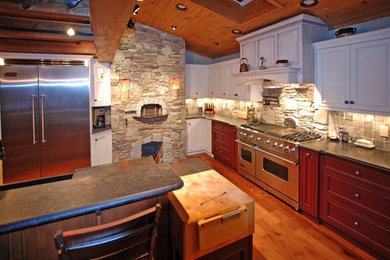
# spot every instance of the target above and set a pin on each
(33, 118)
(43, 120)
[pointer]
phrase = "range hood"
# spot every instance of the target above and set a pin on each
(282, 75)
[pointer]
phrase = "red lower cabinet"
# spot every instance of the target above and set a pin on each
(224, 144)
(355, 202)
(309, 184)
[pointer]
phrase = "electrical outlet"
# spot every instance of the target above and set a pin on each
(384, 131)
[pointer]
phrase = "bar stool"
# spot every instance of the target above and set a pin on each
(133, 237)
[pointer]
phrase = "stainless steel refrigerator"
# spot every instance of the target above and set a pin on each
(44, 120)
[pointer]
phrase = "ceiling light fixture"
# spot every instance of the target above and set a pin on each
(174, 27)
(309, 3)
(236, 31)
(136, 9)
(181, 7)
(70, 31)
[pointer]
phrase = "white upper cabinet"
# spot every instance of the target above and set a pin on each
(287, 40)
(248, 50)
(353, 73)
(197, 81)
(101, 91)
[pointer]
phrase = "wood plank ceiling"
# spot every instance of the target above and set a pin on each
(40, 25)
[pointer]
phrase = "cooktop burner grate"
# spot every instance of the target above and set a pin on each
(302, 136)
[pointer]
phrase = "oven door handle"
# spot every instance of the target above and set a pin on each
(250, 146)
(281, 158)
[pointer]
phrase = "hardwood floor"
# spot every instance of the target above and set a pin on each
(280, 231)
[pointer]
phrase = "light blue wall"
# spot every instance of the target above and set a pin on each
(368, 26)
(192, 58)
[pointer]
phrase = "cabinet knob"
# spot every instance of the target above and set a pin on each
(212, 93)
(236, 95)
(357, 173)
(356, 223)
(95, 99)
(352, 102)
(189, 123)
(357, 195)
(95, 140)
(346, 102)
(308, 155)
(224, 94)
(196, 93)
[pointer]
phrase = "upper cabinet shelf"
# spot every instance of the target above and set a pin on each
(353, 73)
(287, 40)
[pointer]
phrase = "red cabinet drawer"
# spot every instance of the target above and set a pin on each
(373, 200)
(358, 171)
(357, 226)
(224, 139)
(224, 154)
(223, 127)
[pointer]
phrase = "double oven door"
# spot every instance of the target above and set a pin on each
(280, 176)
(246, 158)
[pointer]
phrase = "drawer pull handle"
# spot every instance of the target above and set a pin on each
(357, 173)
(356, 223)
(242, 165)
(357, 195)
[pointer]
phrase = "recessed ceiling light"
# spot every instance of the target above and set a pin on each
(70, 31)
(215, 43)
(309, 3)
(181, 7)
(236, 31)
(174, 27)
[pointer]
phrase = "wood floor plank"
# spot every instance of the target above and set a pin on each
(280, 231)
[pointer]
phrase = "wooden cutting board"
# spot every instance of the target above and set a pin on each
(207, 194)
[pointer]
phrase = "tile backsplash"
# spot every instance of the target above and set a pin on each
(361, 126)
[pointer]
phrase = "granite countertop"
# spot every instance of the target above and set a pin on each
(90, 189)
(224, 119)
(372, 157)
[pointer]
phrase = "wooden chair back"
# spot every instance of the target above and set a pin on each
(133, 237)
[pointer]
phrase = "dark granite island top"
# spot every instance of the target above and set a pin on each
(90, 189)
(371, 157)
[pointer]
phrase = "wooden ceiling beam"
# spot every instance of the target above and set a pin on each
(44, 15)
(37, 25)
(11, 34)
(109, 20)
(34, 46)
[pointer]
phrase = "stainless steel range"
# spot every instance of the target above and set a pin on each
(268, 155)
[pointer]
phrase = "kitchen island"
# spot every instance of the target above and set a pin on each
(30, 216)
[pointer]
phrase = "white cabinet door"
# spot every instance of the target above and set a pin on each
(207, 140)
(267, 50)
(333, 77)
(217, 75)
(288, 46)
(213, 83)
(193, 135)
(101, 84)
(248, 50)
(101, 148)
(370, 76)
(231, 88)
(197, 81)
